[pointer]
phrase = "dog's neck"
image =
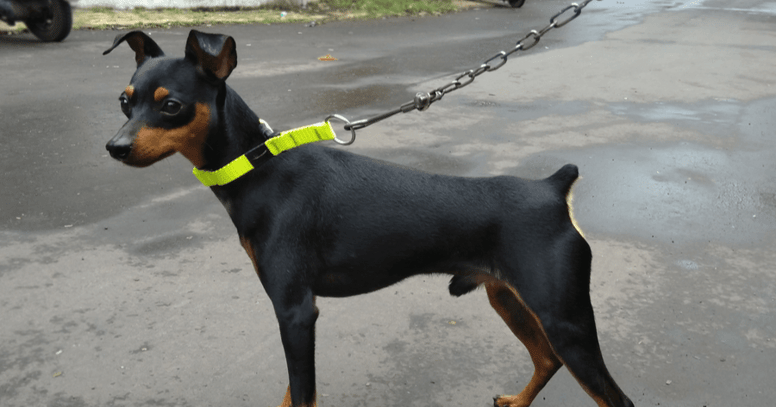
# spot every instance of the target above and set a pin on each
(237, 130)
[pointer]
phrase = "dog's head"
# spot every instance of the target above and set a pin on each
(171, 102)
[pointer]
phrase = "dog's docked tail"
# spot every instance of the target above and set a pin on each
(563, 180)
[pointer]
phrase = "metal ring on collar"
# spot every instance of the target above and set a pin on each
(352, 130)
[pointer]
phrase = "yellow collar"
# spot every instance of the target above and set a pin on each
(276, 145)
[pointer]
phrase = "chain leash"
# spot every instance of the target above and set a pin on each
(423, 100)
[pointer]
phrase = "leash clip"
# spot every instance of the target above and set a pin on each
(422, 101)
(346, 121)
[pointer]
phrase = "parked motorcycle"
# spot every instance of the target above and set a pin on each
(49, 20)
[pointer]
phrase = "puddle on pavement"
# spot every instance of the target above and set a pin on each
(676, 192)
(717, 118)
(354, 98)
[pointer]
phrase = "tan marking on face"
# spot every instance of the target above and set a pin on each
(130, 90)
(155, 143)
(160, 93)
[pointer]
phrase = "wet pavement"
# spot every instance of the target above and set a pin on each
(127, 287)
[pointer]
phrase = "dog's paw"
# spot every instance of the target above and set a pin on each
(509, 401)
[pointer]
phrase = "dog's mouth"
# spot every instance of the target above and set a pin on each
(129, 155)
(146, 162)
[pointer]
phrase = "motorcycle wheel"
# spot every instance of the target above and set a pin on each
(516, 3)
(57, 26)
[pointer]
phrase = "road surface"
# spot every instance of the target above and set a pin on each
(128, 287)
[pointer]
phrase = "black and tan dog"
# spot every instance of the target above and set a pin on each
(318, 221)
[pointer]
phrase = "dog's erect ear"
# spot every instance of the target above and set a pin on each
(215, 54)
(142, 44)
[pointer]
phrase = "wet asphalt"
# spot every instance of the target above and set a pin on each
(128, 287)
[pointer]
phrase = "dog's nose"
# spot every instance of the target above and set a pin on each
(119, 151)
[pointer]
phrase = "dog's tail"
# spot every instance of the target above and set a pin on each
(563, 180)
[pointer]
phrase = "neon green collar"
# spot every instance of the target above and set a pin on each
(276, 145)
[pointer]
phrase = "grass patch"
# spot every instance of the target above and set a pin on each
(280, 11)
(378, 8)
(145, 18)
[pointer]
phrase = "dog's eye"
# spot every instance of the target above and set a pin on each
(124, 100)
(171, 107)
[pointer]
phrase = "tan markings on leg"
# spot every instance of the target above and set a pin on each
(531, 333)
(130, 90)
(287, 400)
(526, 326)
(154, 143)
(246, 244)
(160, 93)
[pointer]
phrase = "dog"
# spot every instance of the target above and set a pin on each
(320, 221)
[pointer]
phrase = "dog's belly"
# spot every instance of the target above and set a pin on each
(349, 281)
(346, 284)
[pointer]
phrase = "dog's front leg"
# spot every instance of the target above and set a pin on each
(297, 313)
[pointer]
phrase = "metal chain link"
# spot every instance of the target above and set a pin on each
(423, 100)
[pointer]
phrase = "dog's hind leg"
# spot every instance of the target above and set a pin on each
(527, 328)
(560, 299)
(575, 341)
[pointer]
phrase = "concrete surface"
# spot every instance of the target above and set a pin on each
(128, 287)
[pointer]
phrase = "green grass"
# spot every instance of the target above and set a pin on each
(98, 18)
(378, 8)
